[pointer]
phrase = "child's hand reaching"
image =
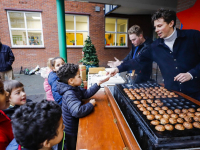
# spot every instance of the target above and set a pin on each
(103, 80)
(93, 102)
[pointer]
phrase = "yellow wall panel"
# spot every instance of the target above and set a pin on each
(79, 37)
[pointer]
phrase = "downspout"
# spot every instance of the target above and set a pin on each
(61, 29)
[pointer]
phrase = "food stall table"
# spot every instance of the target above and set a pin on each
(107, 128)
(100, 129)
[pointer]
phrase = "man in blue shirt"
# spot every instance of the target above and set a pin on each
(177, 52)
(139, 45)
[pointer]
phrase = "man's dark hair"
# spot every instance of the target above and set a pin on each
(167, 15)
(9, 85)
(67, 71)
(33, 123)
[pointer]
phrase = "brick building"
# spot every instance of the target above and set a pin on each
(29, 53)
(30, 28)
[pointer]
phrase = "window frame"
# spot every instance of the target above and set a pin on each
(26, 30)
(115, 32)
(75, 31)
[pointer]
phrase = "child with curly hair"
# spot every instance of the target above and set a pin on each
(38, 126)
(72, 94)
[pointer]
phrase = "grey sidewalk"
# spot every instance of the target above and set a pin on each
(33, 86)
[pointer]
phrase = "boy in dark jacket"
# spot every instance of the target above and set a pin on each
(38, 126)
(72, 107)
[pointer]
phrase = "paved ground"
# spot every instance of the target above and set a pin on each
(33, 85)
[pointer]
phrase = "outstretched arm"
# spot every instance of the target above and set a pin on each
(137, 62)
(93, 89)
(115, 63)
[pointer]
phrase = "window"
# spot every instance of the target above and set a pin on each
(77, 30)
(25, 29)
(116, 32)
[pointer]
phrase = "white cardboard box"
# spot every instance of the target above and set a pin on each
(93, 78)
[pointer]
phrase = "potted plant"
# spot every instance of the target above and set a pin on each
(109, 36)
(73, 41)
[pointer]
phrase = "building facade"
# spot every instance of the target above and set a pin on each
(30, 28)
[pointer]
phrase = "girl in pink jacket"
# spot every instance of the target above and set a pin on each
(45, 73)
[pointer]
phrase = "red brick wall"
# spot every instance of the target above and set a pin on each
(183, 5)
(96, 29)
(31, 57)
(97, 34)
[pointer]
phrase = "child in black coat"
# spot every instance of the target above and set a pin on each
(72, 94)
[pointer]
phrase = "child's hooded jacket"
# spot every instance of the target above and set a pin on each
(72, 106)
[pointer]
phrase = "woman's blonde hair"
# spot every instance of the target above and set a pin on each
(49, 63)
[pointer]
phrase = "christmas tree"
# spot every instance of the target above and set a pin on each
(89, 54)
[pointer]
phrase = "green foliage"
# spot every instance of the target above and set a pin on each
(89, 54)
(109, 36)
(72, 41)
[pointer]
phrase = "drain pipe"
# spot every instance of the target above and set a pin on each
(61, 28)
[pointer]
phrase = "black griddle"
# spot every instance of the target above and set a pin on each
(147, 136)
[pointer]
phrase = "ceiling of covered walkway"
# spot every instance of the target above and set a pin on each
(131, 7)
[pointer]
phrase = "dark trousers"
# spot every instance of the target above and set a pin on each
(70, 142)
(195, 95)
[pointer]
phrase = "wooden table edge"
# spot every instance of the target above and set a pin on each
(127, 135)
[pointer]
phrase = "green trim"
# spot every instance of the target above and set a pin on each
(61, 28)
(63, 140)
